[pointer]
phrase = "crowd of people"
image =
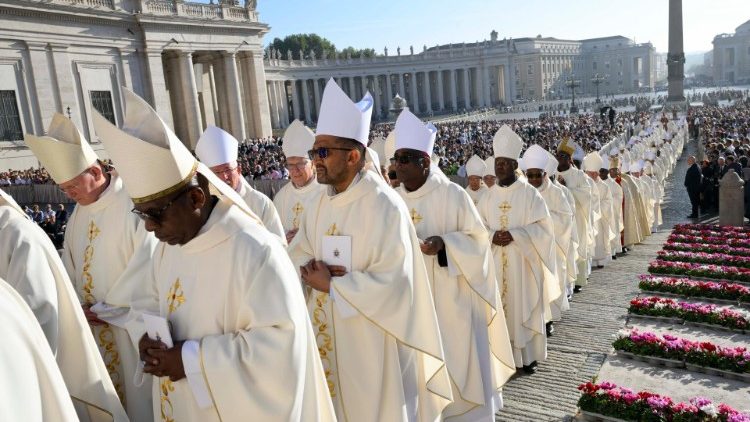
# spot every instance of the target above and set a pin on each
(31, 176)
(178, 293)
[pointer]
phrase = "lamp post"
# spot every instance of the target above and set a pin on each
(572, 83)
(68, 110)
(597, 80)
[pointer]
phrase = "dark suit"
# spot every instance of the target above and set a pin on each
(693, 182)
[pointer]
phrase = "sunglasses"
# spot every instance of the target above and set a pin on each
(534, 175)
(408, 158)
(156, 216)
(324, 152)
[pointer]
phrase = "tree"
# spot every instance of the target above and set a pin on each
(314, 42)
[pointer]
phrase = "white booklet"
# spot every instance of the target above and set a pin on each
(337, 250)
(157, 327)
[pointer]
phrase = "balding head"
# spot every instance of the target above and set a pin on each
(691, 160)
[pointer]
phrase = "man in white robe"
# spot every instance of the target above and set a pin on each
(369, 299)
(522, 236)
(32, 266)
(658, 192)
(105, 251)
(576, 182)
(32, 388)
(571, 256)
(489, 177)
(617, 198)
(217, 149)
(222, 291)
(592, 163)
(535, 159)
(475, 169)
(633, 213)
(456, 250)
(297, 195)
(646, 194)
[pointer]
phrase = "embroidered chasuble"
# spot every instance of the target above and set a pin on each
(379, 342)
(617, 198)
(571, 256)
(106, 253)
(252, 351)
(292, 202)
(476, 195)
(32, 266)
(633, 212)
(605, 226)
(263, 207)
(525, 267)
(467, 301)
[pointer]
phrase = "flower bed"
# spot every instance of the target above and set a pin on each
(705, 258)
(609, 400)
(700, 313)
(712, 227)
(693, 288)
(713, 233)
(707, 248)
(704, 354)
(713, 240)
(718, 272)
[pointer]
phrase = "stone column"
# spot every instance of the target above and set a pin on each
(352, 85)
(306, 101)
(467, 92)
(363, 87)
(441, 96)
(676, 55)
(236, 120)
(283, 104)
(374, 92)
(274, 110)
(66, 84)
(478, 89)
(427, 92)
(454, 94)
(295, 99)
(316, 91)
(414, 103)
(401, 89)
(486, 84)
(193, 127)
(388, 92)
(254, 83)
(157, 86)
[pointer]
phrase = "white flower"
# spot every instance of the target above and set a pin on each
(709, 409)
(623, 333)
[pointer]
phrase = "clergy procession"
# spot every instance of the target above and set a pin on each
(371, 288)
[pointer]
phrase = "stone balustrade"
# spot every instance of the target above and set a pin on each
(104, 4)
(194, 10)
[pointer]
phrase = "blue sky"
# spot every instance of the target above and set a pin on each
(392, 23)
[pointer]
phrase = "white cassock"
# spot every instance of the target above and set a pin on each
(633, 212)
(106, 253)
(31, 385)
(617, 197)
(563, 221)
(575, 181)
(32, 266)
(605, 226)
(658, 190)
(250, 351)
(647, 196)
(476, 195)
(263, 207)
(475, 337)
(291, 202)
(523, 266)
(572, 255)
(377, 331)
(596, 215)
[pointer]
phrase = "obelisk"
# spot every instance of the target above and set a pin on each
(676, 55)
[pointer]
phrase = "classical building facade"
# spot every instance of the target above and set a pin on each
(455, 77)
(196, 64)
(731, 59)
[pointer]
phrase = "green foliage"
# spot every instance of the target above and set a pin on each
(314, 42)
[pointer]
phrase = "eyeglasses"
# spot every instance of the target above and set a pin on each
(534, 175)
(222, 173)
(156, 216)
(408, 158)
(298, 166)
(324, 152)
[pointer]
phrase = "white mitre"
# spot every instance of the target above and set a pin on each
(411, 133)
(298, 139)
(507, 143)
(216, 147)
(579, 154)
(521, 164)
(390, 146)
(340, 116)
(592, 162)
(378, 145)
(605, 160)
(489, 166)
(151, 160)
(6, 199)
(475, 166)
(535, 157)
(64, 152)
(552, 163)
(635, 166)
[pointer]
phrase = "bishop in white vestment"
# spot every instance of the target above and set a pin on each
(475, 170)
